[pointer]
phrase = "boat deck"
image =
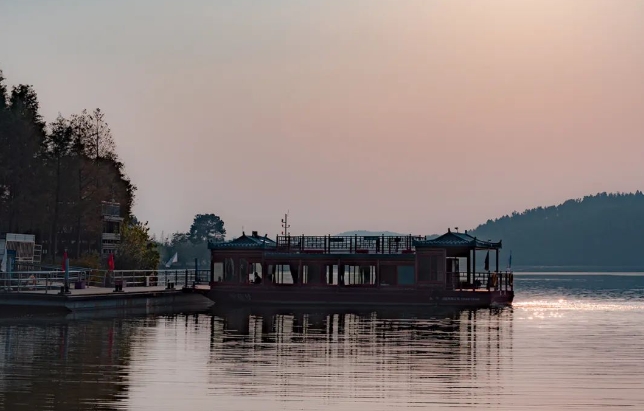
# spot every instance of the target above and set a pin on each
(101, 298)
(93, 291)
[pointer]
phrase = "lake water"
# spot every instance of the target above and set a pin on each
(570, 341)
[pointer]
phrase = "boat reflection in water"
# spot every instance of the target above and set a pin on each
(444, 355)
(257, 359)
(264, 324)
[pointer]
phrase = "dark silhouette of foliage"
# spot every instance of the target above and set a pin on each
(54, 177)
(136, 250)
(193, 244)
(598, 231)
(206, 227)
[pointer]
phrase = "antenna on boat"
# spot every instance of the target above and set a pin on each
(285, 225)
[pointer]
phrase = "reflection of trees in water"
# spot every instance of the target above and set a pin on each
(450, 345)
(65, 365)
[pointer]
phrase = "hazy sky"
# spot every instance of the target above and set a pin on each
(406, 115)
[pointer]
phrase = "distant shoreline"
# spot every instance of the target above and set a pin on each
(578, 269)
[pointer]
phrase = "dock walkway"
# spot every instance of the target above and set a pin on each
(101, 298)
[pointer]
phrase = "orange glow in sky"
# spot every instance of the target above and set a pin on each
(409, 116)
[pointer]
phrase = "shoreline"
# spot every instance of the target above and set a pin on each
(577, 269)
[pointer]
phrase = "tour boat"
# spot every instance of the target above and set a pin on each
(349, 271)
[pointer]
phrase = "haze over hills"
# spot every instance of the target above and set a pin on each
(369, 233)
(598, 232)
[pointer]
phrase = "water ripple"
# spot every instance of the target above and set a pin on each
(570, 342)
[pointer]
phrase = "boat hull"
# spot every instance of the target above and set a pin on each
(255, 295)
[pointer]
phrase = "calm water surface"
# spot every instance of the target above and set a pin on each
(571, 341)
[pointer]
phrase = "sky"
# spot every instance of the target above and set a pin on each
(410, 115)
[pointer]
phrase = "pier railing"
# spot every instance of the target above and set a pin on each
(53, 281)
(495, 281)
(348, 244)
(148, 278)
(47, 281)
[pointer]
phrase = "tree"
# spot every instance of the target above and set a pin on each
(99, 175)
(59, 145)
(3, 92)
(53, 178)
(206, 227)
(136, 251)
(194, 244)
(22, 135)
(186, 250)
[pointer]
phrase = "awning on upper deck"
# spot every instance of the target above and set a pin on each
(458, 240)
(244, 242)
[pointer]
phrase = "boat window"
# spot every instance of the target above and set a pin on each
(243, 270)
(431, 267)
(387, 275)
(424, 267)
(229, 270)
(255, 268)
(433, 272)
(305, 274)
(294, 271)
(406, 274)
(332, 272)
(313, 273)
(219, 271)
(282, 274)
(359, 274)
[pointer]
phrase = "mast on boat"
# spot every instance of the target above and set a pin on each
(285, 225)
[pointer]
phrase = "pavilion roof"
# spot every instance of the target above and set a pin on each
(458, 240)
(244, 242)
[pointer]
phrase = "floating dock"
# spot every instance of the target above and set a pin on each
(102, 299)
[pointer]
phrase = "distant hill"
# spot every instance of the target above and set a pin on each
(379, 233)
(603, 231)
(369, 233)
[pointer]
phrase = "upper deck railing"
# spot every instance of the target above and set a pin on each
(348, 244)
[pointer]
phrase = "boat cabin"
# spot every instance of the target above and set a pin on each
(448, 262)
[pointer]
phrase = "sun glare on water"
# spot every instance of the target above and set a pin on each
(578, 305)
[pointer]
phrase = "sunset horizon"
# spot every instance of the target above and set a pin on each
(409, 117)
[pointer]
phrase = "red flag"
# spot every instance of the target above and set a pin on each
(64, 260)
(110, 262)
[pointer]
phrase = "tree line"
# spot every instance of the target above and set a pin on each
(192, 244)
(597, 231)
(54, 177)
